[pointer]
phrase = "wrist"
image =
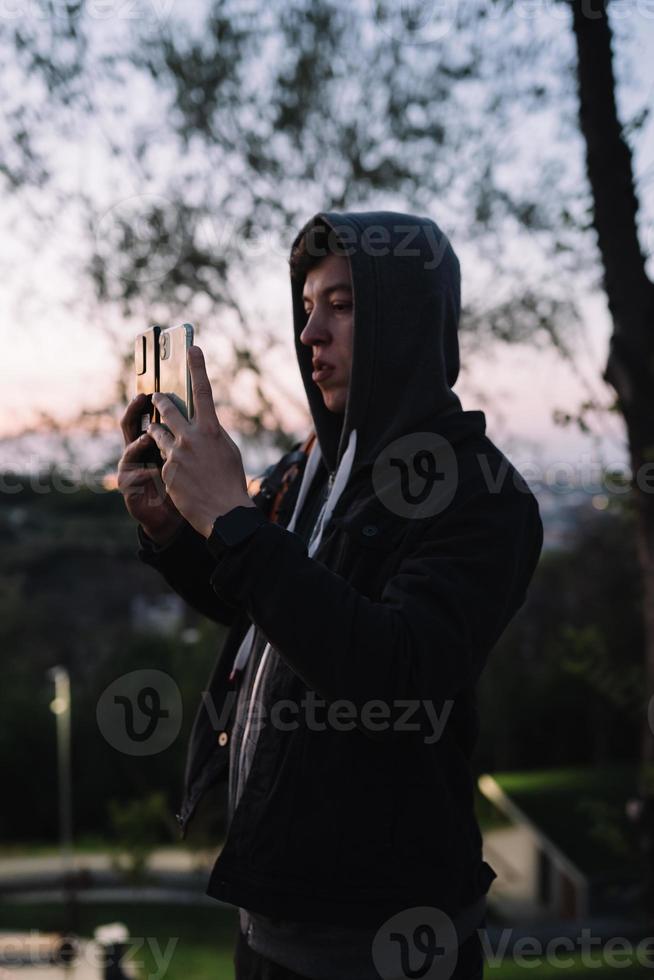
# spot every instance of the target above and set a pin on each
(206, 525)
(236, 526)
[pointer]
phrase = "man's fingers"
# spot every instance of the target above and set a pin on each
(139, 484)
(164, 440)
(132, 471)
(170, 414)
(134, 451)
(132, 479)
(130, 424)
(204, 408)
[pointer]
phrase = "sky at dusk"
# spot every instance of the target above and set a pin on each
(59, 345)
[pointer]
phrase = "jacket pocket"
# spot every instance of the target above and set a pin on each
(372, 527)
(368, 546)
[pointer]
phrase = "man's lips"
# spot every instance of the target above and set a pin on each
(321, 370)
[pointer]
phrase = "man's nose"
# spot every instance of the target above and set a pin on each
(314, 330)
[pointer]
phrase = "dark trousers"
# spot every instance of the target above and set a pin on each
(249, 965)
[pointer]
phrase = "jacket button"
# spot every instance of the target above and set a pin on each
(223, 738)
(369, 530)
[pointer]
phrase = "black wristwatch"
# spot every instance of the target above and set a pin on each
(235, 526)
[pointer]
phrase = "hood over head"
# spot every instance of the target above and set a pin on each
(406, 283)
(405, 350)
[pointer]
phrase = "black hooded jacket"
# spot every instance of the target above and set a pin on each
(352, 816)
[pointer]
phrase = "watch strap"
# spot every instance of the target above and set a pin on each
(235, 526)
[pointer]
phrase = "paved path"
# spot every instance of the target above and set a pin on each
(180, 875)
(510, 851)
(164, 859)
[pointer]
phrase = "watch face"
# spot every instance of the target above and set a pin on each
(238, 524)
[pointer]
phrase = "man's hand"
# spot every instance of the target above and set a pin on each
(203, 472)
(143, 491)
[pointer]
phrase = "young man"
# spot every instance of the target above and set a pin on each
(342, 708)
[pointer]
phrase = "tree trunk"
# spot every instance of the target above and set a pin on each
(630, 365)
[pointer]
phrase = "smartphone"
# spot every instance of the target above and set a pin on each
(174, 375)
(146, 367)
(161, 364)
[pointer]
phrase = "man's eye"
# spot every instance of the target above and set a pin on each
(342, 306)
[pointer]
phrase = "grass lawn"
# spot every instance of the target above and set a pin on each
(516, 971)
(582, 811)
(196, 943)
(199, 939)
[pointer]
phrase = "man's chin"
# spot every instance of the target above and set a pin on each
(334, 403)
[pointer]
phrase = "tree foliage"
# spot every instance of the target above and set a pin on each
(220, 132)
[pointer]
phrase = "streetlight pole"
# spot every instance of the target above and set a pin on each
(60, 706)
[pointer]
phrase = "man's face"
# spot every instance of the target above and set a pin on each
(329, 301)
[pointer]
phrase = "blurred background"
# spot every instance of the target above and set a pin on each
(157, 159)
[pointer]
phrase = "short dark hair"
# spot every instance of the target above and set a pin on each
(315, 245)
